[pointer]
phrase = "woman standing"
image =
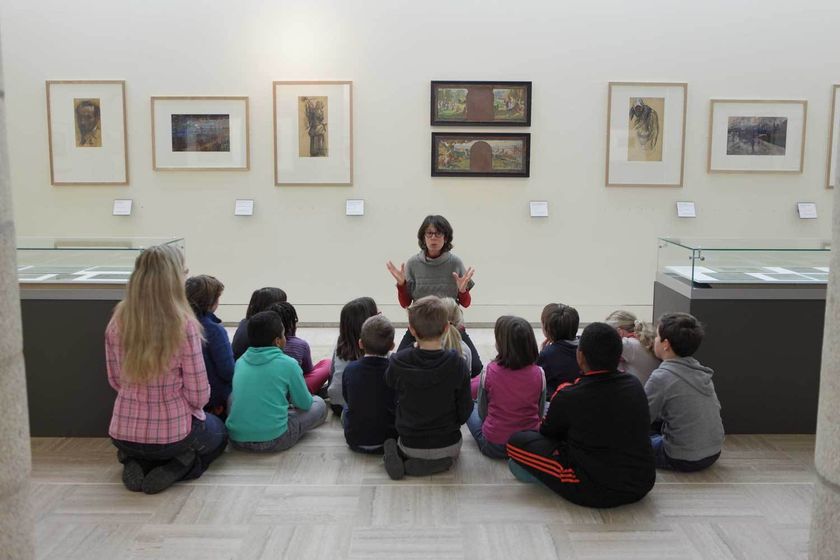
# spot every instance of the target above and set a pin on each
(155, 363)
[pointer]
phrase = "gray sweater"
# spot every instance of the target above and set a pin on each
(433, 277)
(681, 393)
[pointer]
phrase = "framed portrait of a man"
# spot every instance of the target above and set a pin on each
(313, 133)
(87, 132)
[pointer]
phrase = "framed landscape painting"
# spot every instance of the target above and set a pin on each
(464, 154)
(833, 140)
(646, 134)
(200, 133)
(481, 103)
(87, 132)
(313, 133)
(757, 136)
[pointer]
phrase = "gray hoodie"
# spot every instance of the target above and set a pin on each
(681, 393)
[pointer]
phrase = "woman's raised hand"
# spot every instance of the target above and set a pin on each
(463, 281)
(397, 273)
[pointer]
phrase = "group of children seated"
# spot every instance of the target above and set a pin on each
(589, 417)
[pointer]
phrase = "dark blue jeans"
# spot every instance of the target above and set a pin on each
(492, 450)
(205, 443)
(665, 462)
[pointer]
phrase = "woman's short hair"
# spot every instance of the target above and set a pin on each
(441, 224)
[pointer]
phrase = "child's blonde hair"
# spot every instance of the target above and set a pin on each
(452, 335)
(152, 319)
(627, 321)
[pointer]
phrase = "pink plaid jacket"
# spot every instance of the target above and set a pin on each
(161, 411)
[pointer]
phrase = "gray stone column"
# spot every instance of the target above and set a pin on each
(825, 525)
(15, 460)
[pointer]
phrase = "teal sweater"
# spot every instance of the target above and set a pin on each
(263, 379)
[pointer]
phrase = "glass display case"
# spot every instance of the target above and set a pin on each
(69, 287)
(82, 260)
(709, 263)
(744, 292)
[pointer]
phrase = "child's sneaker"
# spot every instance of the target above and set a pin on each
(162, 477)
(132, 475)
(394, 465)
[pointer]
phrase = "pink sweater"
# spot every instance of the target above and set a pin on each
(513, 401)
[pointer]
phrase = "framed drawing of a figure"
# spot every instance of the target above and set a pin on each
(313, 133)
(200, 134)
(833, 140)
(87, 132)
(646, 134)
(757, 136)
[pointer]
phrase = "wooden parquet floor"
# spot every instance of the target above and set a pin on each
(319, 500)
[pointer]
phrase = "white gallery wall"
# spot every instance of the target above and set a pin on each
(596, 250)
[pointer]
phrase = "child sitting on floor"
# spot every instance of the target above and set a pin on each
(260, 417)
(681, 397)
(314, 375)
(557, 358)
(511, 395)
(203, 293)
(637, 357)
(433, 396)
(353, 315)
(369, 411)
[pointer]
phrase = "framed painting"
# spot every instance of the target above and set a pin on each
(833, 140)
(756, 136)
(87, 132)
(313, 133)
(200, 133)
(464, 154)
(481, 103)
(646, 134)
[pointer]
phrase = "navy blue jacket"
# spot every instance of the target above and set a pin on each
(559, 362)
(369, 416)
(218, 359)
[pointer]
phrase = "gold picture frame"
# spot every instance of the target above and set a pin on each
(87, 132)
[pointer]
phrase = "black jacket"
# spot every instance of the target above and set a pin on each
(433, 396)
(559, 361)
(369, 416)
(602, 421)
(240, 339)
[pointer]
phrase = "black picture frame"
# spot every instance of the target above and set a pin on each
(475, 104)
(454, 166)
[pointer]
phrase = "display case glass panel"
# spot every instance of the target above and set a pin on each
(82, 260)
(710, 262)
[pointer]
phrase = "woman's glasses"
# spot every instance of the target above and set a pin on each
(434, 234)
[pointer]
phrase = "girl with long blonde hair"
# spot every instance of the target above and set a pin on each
(155, 363)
